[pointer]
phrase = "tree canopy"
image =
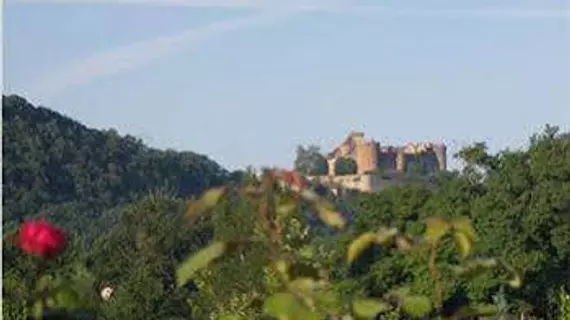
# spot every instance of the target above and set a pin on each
(310, 161)
(54, 166)
(345, 166)
(126, 208)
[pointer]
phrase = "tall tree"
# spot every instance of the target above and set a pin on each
(59, 167)
(345, 166)
(310, 161)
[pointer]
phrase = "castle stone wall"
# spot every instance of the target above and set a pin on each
(370, 157)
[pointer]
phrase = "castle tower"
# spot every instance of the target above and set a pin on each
(440, 151)
(332, 165)
(400, 159)
(367, 157)
(356, 137)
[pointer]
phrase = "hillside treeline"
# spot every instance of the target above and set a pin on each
(128, 202)
(54, 166)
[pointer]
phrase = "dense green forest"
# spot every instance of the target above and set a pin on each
(131, 221)
(56, 167)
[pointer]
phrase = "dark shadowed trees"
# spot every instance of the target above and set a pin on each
(345, 166)
(310, 161)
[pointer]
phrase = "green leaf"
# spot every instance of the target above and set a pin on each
(365, 240)
(38, 309)
(477, 311)
(305, 285)
(50, 302)
(285, 209)
(309, 195)
(307, 252)
(464, 235)
(212, 196)
(474, 268)
(369, 308)
(399, 293)
(329, 301)
(416, 306)
(67, 298)
(383, 235)
(285, 306)
(358, 245)
(516, 278)
(282, 266)
(463, 243)
(463, 225)
(436, 228)
(198, 261)
(208, 200)
(44, 282)
(330, 217)
(515, 281)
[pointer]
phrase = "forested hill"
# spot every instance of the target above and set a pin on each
(518, 202)
(54, 165)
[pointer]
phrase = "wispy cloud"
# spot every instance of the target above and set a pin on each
(455, 13)
(135, 55)
(252, 4)
(132, 56)
(331, 6)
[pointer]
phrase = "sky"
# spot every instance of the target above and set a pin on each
(246, 81)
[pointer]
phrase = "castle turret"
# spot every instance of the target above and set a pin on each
(400, 160)
(440, 151)
(332, 165)
(367, 157)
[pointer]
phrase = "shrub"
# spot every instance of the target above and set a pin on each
(345, 166)
(304, 289)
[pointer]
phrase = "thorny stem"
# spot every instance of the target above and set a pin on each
(266, 213)
(43, 268)
(435, 274)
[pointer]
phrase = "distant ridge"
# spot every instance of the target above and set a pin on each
(51, 160)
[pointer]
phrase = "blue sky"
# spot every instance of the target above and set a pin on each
(245, 81)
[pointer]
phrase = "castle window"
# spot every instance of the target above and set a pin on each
(429, 163)
(423, 164)
(412, 165)
(387, 161)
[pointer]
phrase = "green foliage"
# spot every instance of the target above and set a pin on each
(345, 166)
(563, 302)
(369, 308)
(436, 250)
(54, 166)
(310, 161)
(139, 257)
(304, 287)
(199, 261)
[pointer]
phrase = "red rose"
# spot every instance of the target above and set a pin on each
(39, 238)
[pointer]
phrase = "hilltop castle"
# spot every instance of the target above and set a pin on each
(371, 158)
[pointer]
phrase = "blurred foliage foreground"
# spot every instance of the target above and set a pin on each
(269, 247)
(300, 282)
(295, 274)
